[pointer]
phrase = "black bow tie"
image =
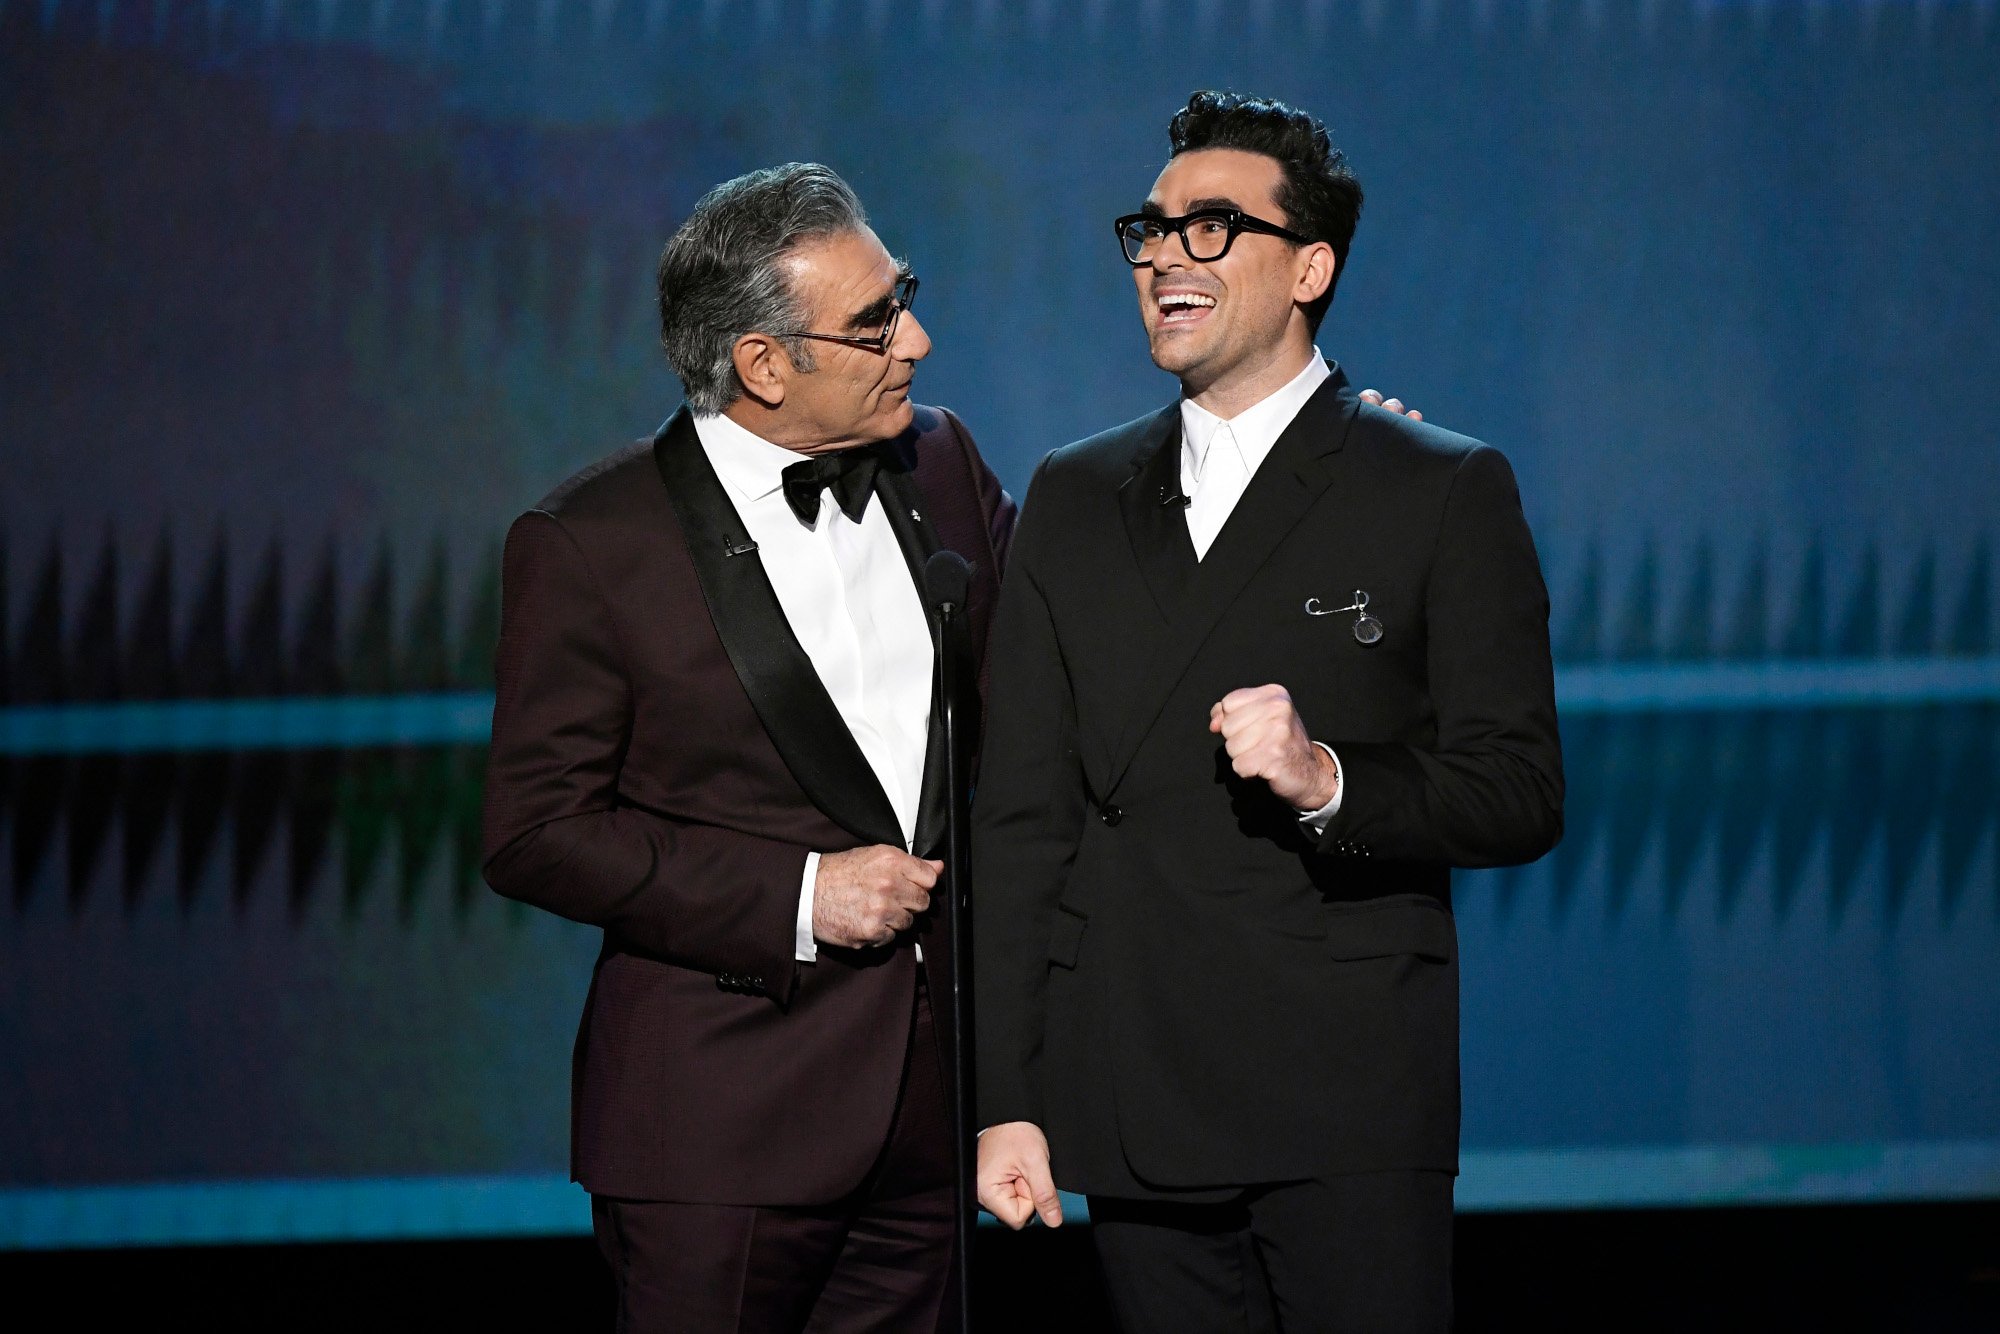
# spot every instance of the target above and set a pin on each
(850, 473)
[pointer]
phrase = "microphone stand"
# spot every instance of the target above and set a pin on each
(958, 926)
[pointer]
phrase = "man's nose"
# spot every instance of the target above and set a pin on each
(1172, 253)
(913, 342)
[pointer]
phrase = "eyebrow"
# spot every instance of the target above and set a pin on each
(875, 312)
(1151, 208)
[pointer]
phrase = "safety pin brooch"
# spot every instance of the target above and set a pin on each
(1366, 628)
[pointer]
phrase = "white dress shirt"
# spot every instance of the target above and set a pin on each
(846, 590)
(1218, 459)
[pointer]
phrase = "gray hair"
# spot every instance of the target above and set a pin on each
(720, 277)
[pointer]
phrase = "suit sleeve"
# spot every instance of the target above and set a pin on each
(994, 503)
(1489, 792)
(998, 514)
(1027, 818)
(558, 836)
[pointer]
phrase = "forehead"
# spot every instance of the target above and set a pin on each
(842, 273)
(1251, 179)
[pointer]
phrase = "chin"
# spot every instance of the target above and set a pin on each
(1174, 355)
(897, 420)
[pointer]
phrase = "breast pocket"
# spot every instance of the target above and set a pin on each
(1344, 667)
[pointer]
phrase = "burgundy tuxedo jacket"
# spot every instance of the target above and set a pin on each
(663, 759)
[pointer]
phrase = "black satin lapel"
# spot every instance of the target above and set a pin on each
(1290, 481)
(1158, 531)
(786, 692)
(902, 500)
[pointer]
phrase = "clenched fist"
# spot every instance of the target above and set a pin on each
(866, 895)
(1267, 739)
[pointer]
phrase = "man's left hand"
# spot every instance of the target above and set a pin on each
(1394, 405)
(1267, 739)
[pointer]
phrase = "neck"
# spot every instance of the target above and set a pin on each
(775, 425)
(1245, 388)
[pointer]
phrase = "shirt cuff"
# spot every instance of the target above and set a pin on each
(804, 948)
(1317, 820)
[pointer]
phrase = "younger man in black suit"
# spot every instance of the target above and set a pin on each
(1268, 663)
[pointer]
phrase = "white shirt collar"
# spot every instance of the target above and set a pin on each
(1256, 428)
(747, 463)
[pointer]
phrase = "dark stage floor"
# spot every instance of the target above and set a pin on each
(1892, 1268)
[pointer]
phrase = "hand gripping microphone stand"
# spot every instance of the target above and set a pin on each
(946, 579)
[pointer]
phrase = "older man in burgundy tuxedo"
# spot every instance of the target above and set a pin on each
(715, 738)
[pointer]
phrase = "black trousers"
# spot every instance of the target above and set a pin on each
(879, 1260)
(1368, 1253)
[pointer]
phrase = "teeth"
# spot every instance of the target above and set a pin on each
(1172, 299)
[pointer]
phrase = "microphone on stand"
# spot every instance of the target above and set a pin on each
(946, 580)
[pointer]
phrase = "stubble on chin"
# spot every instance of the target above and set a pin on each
(1170, 354)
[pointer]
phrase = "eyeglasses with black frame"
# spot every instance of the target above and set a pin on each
(1206, 233)
(905, 294)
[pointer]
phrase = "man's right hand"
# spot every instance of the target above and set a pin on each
(1014, 1179)
(864, 896)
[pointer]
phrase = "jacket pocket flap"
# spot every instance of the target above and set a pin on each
(1403, 928)
(1066, 937)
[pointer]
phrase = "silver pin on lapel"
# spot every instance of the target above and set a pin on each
(1367, 629)
(918, 517)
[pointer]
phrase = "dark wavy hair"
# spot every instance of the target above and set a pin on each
(1320, 196)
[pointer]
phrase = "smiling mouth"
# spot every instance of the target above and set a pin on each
(1182, 307)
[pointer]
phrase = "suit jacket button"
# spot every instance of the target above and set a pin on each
(1111, 815)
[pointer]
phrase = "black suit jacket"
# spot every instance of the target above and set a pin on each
(663, 759)
(1177, 982)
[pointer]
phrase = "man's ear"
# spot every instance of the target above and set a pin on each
(1317, 275)
(762, 366)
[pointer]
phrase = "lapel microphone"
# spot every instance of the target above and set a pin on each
(1169, 498)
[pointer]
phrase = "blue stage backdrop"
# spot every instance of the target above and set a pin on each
(301, 300)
